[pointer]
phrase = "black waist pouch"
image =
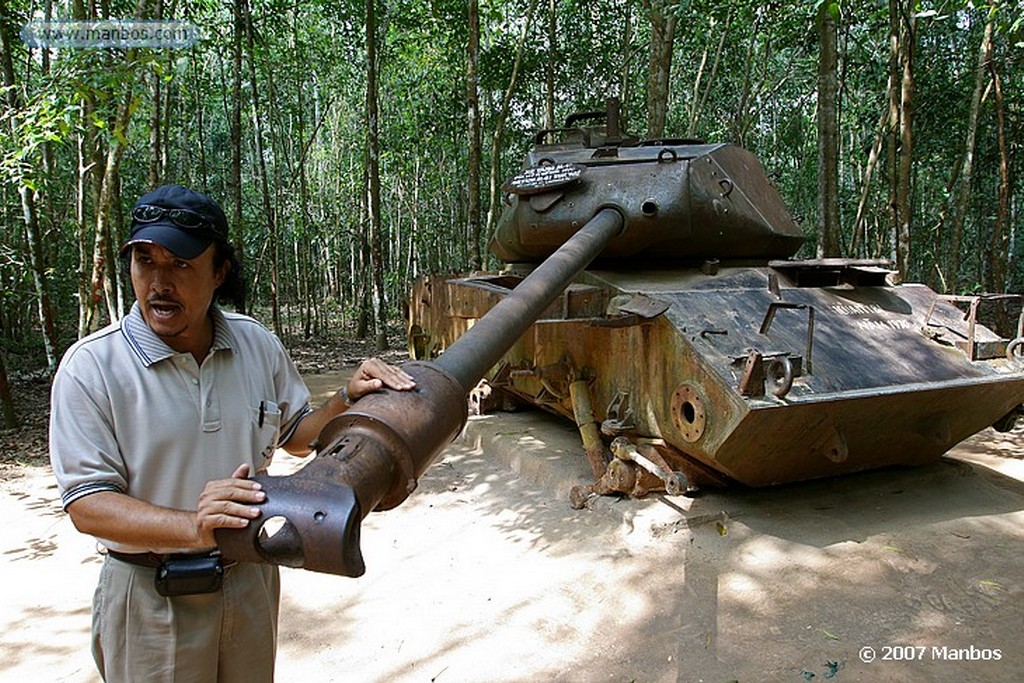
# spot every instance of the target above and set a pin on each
(189, 575)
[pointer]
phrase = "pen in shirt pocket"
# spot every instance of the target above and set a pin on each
(263, 411)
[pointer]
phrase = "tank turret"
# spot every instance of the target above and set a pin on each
(681, 200)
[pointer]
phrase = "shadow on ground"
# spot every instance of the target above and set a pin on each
(486, 573)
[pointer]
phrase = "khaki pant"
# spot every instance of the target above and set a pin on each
(221, 637)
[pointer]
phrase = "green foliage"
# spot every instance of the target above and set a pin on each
(741, 72)
(44, 120)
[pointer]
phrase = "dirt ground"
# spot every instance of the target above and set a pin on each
(487, 574)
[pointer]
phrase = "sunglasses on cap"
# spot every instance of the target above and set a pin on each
(182, 218)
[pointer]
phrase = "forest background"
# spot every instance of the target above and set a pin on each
(356, 144)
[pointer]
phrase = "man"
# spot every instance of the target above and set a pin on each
(157, 423)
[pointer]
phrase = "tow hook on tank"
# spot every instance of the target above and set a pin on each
(777, 370)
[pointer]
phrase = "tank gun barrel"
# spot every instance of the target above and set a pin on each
(475, 352)
(371, 456)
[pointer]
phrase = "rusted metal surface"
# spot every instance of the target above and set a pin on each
(882, 392)
(368, 458)
(635, 470)
(371, 456)
(713, 349)
(673, 198)
(980, 344)
(583, 412)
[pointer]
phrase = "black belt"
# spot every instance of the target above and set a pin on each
(154, 560)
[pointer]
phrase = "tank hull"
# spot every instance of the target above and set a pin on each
(687, 363)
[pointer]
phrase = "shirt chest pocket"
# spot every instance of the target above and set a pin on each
(267, 417)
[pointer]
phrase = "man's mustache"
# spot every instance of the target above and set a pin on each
(158, 301)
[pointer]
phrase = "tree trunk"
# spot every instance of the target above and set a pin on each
(274, 130)
(499, 124)
(659, 66)
(6, 398)
(6, 60)
(699, 99)
(268, 207)
(88, 159)
(359, 255)
(84, 152)
(742, 117)
(302, 243)
(235, 135)
(412, 263)
(204, 175)
(44, 309)
(628, 51)
(116, 290)
(474, 137)
(998, 253)
(828, 133)
(170, 100)
(30, 215)
(551, 66)
(906, 213)
(101, 287)
(373, 180)
(859, 244)
(901, 118)
(155, 138)
(892, 129)
(963, 194)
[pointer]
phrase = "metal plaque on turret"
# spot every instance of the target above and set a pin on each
(543, 178)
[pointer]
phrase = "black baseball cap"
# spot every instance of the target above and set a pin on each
(183, 221)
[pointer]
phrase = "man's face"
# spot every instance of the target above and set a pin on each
(175, 294)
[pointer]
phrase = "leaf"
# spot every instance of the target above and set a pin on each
(829, 634)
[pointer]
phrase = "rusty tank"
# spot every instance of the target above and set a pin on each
(650, 296)
(695, 350)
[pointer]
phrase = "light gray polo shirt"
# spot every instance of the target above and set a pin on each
(130, 414)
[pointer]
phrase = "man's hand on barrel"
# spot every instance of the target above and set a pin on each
(374, 374)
